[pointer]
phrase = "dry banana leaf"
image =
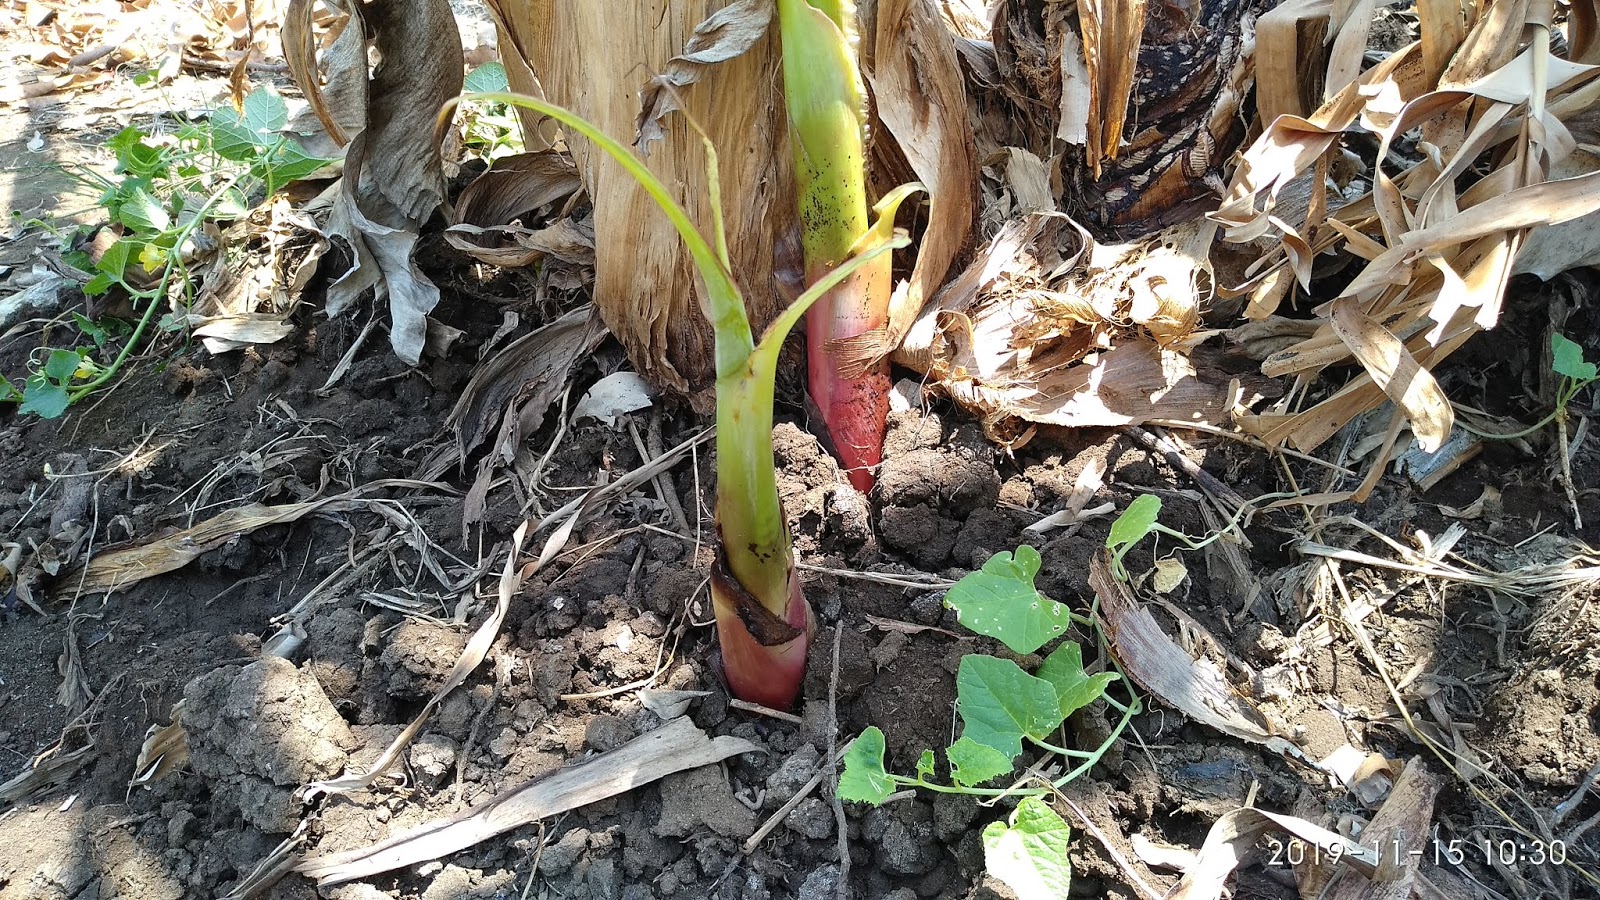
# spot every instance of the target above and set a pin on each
(393, 180)
(674, 747)
(1048, 326)
(644, 288)
(1438, 240)
(921, 102)
(331, 67)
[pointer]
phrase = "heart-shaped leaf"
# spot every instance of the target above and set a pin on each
(1000, 704)
(1567, 359)
(1030, 852)
(864, 780)
(1000, 601)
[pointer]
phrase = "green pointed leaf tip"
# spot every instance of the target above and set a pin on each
(487, 77)
(1000, 601)
(1000, 704)
(1567, 359)
(864, 780)
(1138, 520)
(1029, 853)
(265, 111)
(1074, 687)
(43, 398)
(141, 211)
(972, 763)
(925, 765)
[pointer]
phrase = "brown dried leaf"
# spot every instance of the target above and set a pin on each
(1396, 372)
(517, 185)
(725, 34)
(1195, 688)
(117, 568)
(674, 747)
(334, 85)
(510, 246)
(393, 177)
(921, 101)
(1111, 30)
(510, 393)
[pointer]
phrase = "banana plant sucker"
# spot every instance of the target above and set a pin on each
(847, 371)
(764, 624)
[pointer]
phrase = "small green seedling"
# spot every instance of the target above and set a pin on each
(1003, 709)
(1029, 851)
(1577, 373)
(1140, 520)
(169, 187)
(46, 392)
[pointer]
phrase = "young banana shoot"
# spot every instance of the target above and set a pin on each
(763, 621)
(847, 372)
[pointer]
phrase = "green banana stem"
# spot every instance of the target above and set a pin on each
(763, 621)
(846, 370)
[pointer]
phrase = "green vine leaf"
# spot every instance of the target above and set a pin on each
(1000, 601)
(490, 76)
(1074, 688)
(972, 763)
(1000, 704)
(925, 765)
(1567, 359)
(1029, 853)
(134, 156)
(864, 779)
(43, 398)
(1138, 520)
(265, 111)
(61, 365)
(142, 212)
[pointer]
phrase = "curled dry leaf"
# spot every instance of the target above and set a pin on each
(507, 398)
(511, 246)
(1395, 371)
(1046, 326)
(614, 396)
(724, 35)
(330, 69)
(669, 704)
(1233, 836)
(393, 178)
(515, 186)
(1439, 240)
(1341, 868)
(165, 749)
(249, 294)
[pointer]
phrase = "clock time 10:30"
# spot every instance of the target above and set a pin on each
(1506, 851)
